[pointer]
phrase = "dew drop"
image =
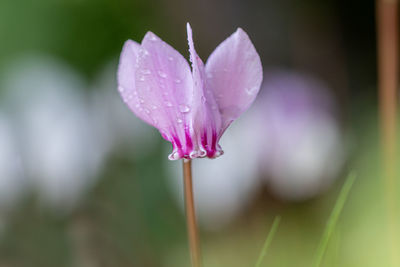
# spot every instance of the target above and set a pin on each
(146, 110)
(121, 89)
(168, 104)
(162, 74)
(170, 58)
(184, 108)
(153, 37)
(179, 120)
(146, 71)
(251, 90)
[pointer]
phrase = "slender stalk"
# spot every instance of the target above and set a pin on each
(387, 42)
(193, 235)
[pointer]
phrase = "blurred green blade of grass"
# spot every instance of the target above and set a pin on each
(331, 224)
(268, 241)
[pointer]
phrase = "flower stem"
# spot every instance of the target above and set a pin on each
(193, 235)
(387, 42)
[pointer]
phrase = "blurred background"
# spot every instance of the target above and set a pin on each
(84, 183)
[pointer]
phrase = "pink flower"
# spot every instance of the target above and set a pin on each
(190, 108)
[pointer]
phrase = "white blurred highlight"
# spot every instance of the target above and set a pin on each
(60, 148)
(62, 133)
(12, 182)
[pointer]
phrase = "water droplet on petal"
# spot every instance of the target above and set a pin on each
(170, 58)
(162, 74)
(168, 104)
(121, 89)
(153, 37)
(146, 110)
(184, 108)
(154, 107)
(179, 120)
(146, 71)
(177, 81)
(251, 90)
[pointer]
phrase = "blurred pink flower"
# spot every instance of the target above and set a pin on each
(191, 109)
(301, 145)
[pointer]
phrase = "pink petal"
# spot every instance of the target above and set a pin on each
(234, 73)
(165, 92)
(126, 78)
(207, 120)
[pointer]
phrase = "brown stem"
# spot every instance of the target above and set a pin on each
(387, 41)
(193, 235)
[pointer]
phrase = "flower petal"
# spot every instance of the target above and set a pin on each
(234, 73)
(165, 92)
(126, 78)
(207, 120)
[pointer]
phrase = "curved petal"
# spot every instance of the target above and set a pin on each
(165, 90)
(207, 121)
(234, 73)
(126, 78)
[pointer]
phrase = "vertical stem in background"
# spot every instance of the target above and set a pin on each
(387, 41)
(193, 235)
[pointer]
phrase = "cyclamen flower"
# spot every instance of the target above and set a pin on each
(190, 107)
